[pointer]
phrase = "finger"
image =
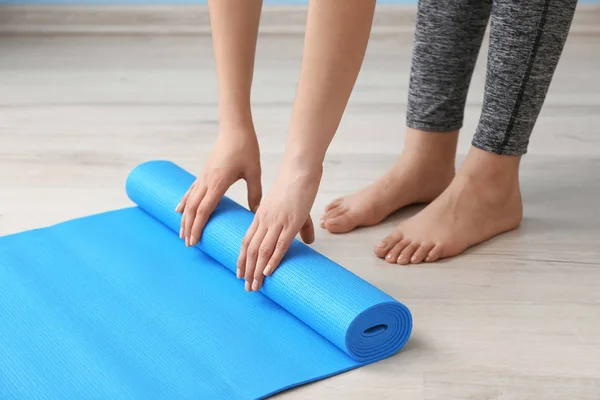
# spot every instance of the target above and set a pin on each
(207, 206)
(307, 232)
(281, 247)
(265, 251)
(184, 216)
(181, 206)
(183, 200)
(254, 191)
(252, 254)
(241, 262)
(191, 207)
(181, 227)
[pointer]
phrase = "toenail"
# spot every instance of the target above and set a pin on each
(414, 259)
(389, 257)
(382, 244)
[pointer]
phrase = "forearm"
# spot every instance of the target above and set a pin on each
(234, 26)
(337, 34)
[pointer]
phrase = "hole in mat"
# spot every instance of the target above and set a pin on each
(374, 330)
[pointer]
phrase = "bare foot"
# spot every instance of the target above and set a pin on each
(483, 200)
(421, 173)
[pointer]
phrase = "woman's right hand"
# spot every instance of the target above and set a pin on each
(234, 156)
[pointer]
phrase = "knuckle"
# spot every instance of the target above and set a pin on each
(281, 245)
(246, 242)
(191, 206)
(264, 250)
(201, 212)
(252, 252)
(194, 190)
(217, 177)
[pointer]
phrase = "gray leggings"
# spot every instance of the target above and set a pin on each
(526, 41)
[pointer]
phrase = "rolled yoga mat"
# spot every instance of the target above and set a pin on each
(114, 306)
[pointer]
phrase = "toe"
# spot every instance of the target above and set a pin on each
(392, 256)
(332, 213)
(340, 224)
(407, 253)
(421, 253)
(334, 204)
(383, 248)
(434, 254)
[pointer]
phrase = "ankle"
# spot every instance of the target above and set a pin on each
(495, 176)
(437, 148)
(499, 169)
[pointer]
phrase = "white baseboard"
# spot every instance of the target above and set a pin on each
(193, 19)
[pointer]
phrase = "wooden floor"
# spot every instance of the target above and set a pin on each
(515, 318)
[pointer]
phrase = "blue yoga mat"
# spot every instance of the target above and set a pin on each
(114, 306)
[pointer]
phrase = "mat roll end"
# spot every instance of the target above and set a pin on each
(379, 332)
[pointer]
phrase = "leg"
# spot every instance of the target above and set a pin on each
(446, 45)
(526, 41)
(484, 199)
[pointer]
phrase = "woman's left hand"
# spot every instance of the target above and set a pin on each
(283, 213)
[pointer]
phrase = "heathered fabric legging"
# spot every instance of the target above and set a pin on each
(526, 40)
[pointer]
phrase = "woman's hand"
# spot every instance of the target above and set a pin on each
(235, 156)
(283, 213)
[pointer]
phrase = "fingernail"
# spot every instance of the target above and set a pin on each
(267, 270)
(192, 241)
(181, 233)
(255, 285)
(247, 286)
(382, 244)
(187, 242)
(238, 273)
(177, 208)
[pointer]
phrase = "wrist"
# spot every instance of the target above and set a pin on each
(235, 118)
(306, 148)
(303, 164)
(236, 129)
